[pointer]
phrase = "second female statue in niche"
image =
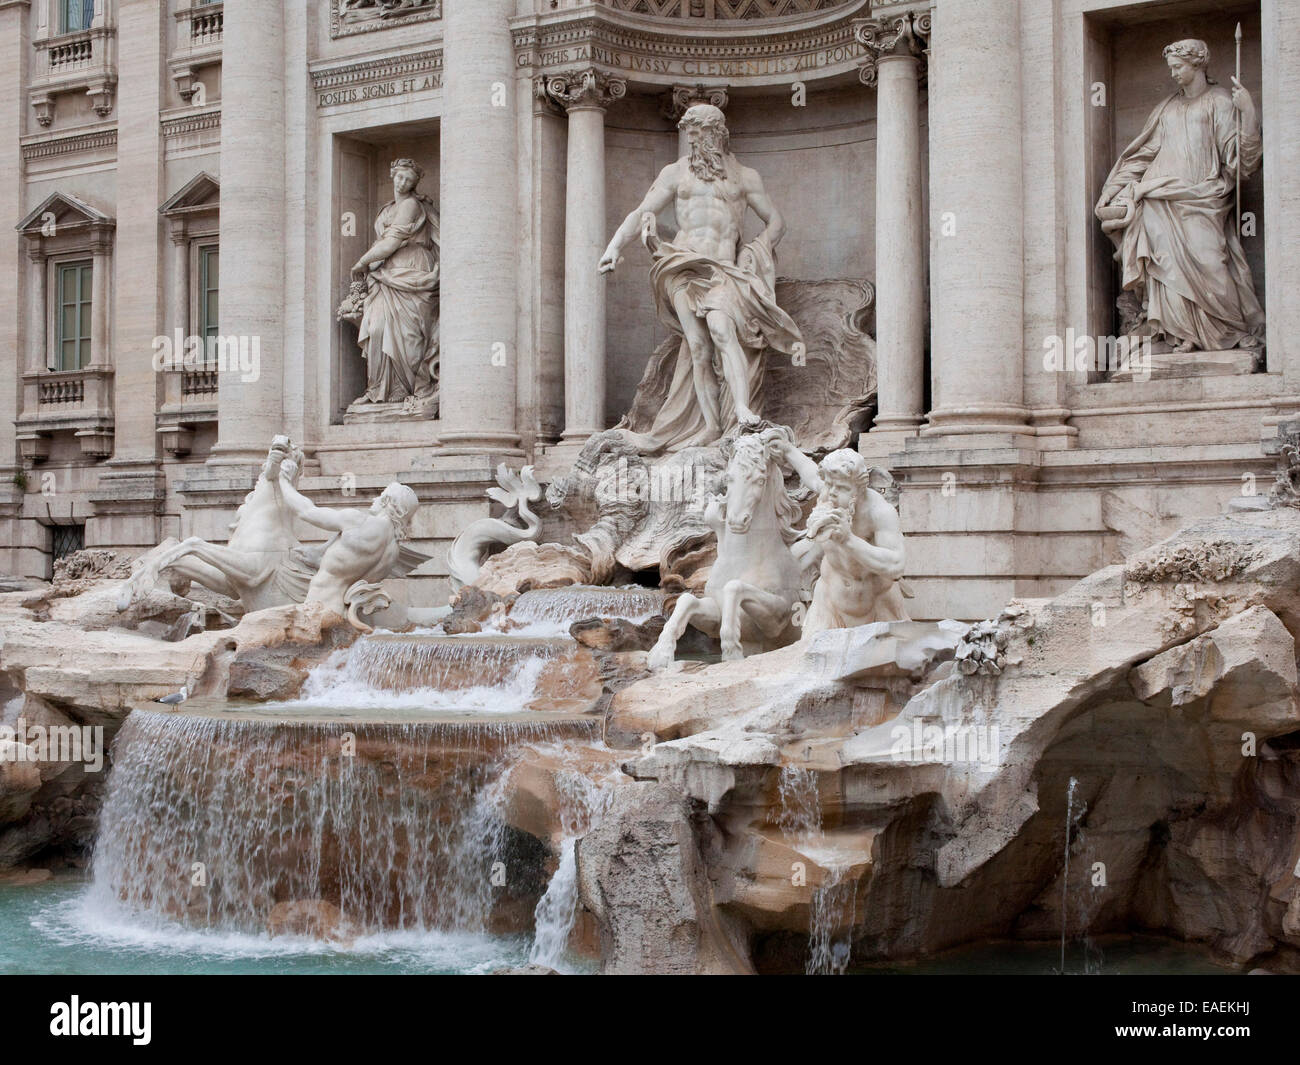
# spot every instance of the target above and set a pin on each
(397, 326)
(1168, 205)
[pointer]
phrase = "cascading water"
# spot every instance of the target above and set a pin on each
(833, 904)
(1076, 839)
(378, 793)
(555, 609)
(583, 799)
(431, 674)
(211, 821)
(1065, 875)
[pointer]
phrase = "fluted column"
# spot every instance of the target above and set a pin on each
(480, 237)
(179, 312)
(895, 67)
(37, 308)
(100, 301)
(252, 226)
(976, 220)
(584, 96)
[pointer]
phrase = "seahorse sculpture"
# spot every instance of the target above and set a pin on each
(471, 547)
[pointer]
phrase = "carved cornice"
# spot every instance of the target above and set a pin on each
(77, 142)
(362, 16)
(677, 99)
(184, 124)
(905, 34)
(585, 89)
(385, 76)
(723, 10)
(660, 53)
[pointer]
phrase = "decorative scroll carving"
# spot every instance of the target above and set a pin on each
(680, 97)
(905, 34)
(585, 88)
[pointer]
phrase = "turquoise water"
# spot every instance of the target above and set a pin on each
(52, 928)
(1105, 956)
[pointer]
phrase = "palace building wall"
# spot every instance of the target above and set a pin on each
(217, 169)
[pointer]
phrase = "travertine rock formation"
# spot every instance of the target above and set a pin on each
(1166, 688)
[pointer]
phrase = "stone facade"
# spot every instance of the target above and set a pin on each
(948, 151)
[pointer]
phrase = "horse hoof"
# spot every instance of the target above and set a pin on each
(659, 660)
(733, 654)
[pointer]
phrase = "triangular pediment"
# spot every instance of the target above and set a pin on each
(201, 193)
(68, 211)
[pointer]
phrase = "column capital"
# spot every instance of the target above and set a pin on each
(585, 89)
(178, 231)
(680, 97)
(904, 36)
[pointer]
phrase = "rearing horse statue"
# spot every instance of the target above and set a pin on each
(756, 580)
(261, 566)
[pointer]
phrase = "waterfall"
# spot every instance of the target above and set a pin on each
(832, 908)
(211, 820)
(432, 674)
(557, 910)
(1074, 834)
(583, 800)
(553, 610)
(799, 810)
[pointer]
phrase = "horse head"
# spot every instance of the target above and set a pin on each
(754, 471)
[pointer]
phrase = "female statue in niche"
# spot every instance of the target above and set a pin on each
(398, 326)
(1168, 205)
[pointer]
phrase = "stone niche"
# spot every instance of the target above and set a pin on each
(1123, 51)
(362, 185)
(818, 164)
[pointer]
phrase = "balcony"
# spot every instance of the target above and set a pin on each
(199, 31)
(82, 61)
(76, 401)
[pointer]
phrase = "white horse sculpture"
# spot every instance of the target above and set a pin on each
(756, 580)
(259, 566)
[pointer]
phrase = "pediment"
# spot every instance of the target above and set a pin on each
(201, 193)
(68, 213)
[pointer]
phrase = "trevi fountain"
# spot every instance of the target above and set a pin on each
(792, 610)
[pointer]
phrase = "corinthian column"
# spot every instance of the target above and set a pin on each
(480, 239)
(895, 68)
(976, 220)
(252, 228)
(584, 95)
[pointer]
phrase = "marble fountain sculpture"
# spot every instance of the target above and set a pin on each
(263, 565)
(393, 301)
(677, 718)
(1185, 281)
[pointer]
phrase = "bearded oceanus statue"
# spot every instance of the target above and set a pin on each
(1168, 206)
(717, 296)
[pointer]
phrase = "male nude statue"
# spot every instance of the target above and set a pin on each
(860, 542)
(366, 546)
(716, 294)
